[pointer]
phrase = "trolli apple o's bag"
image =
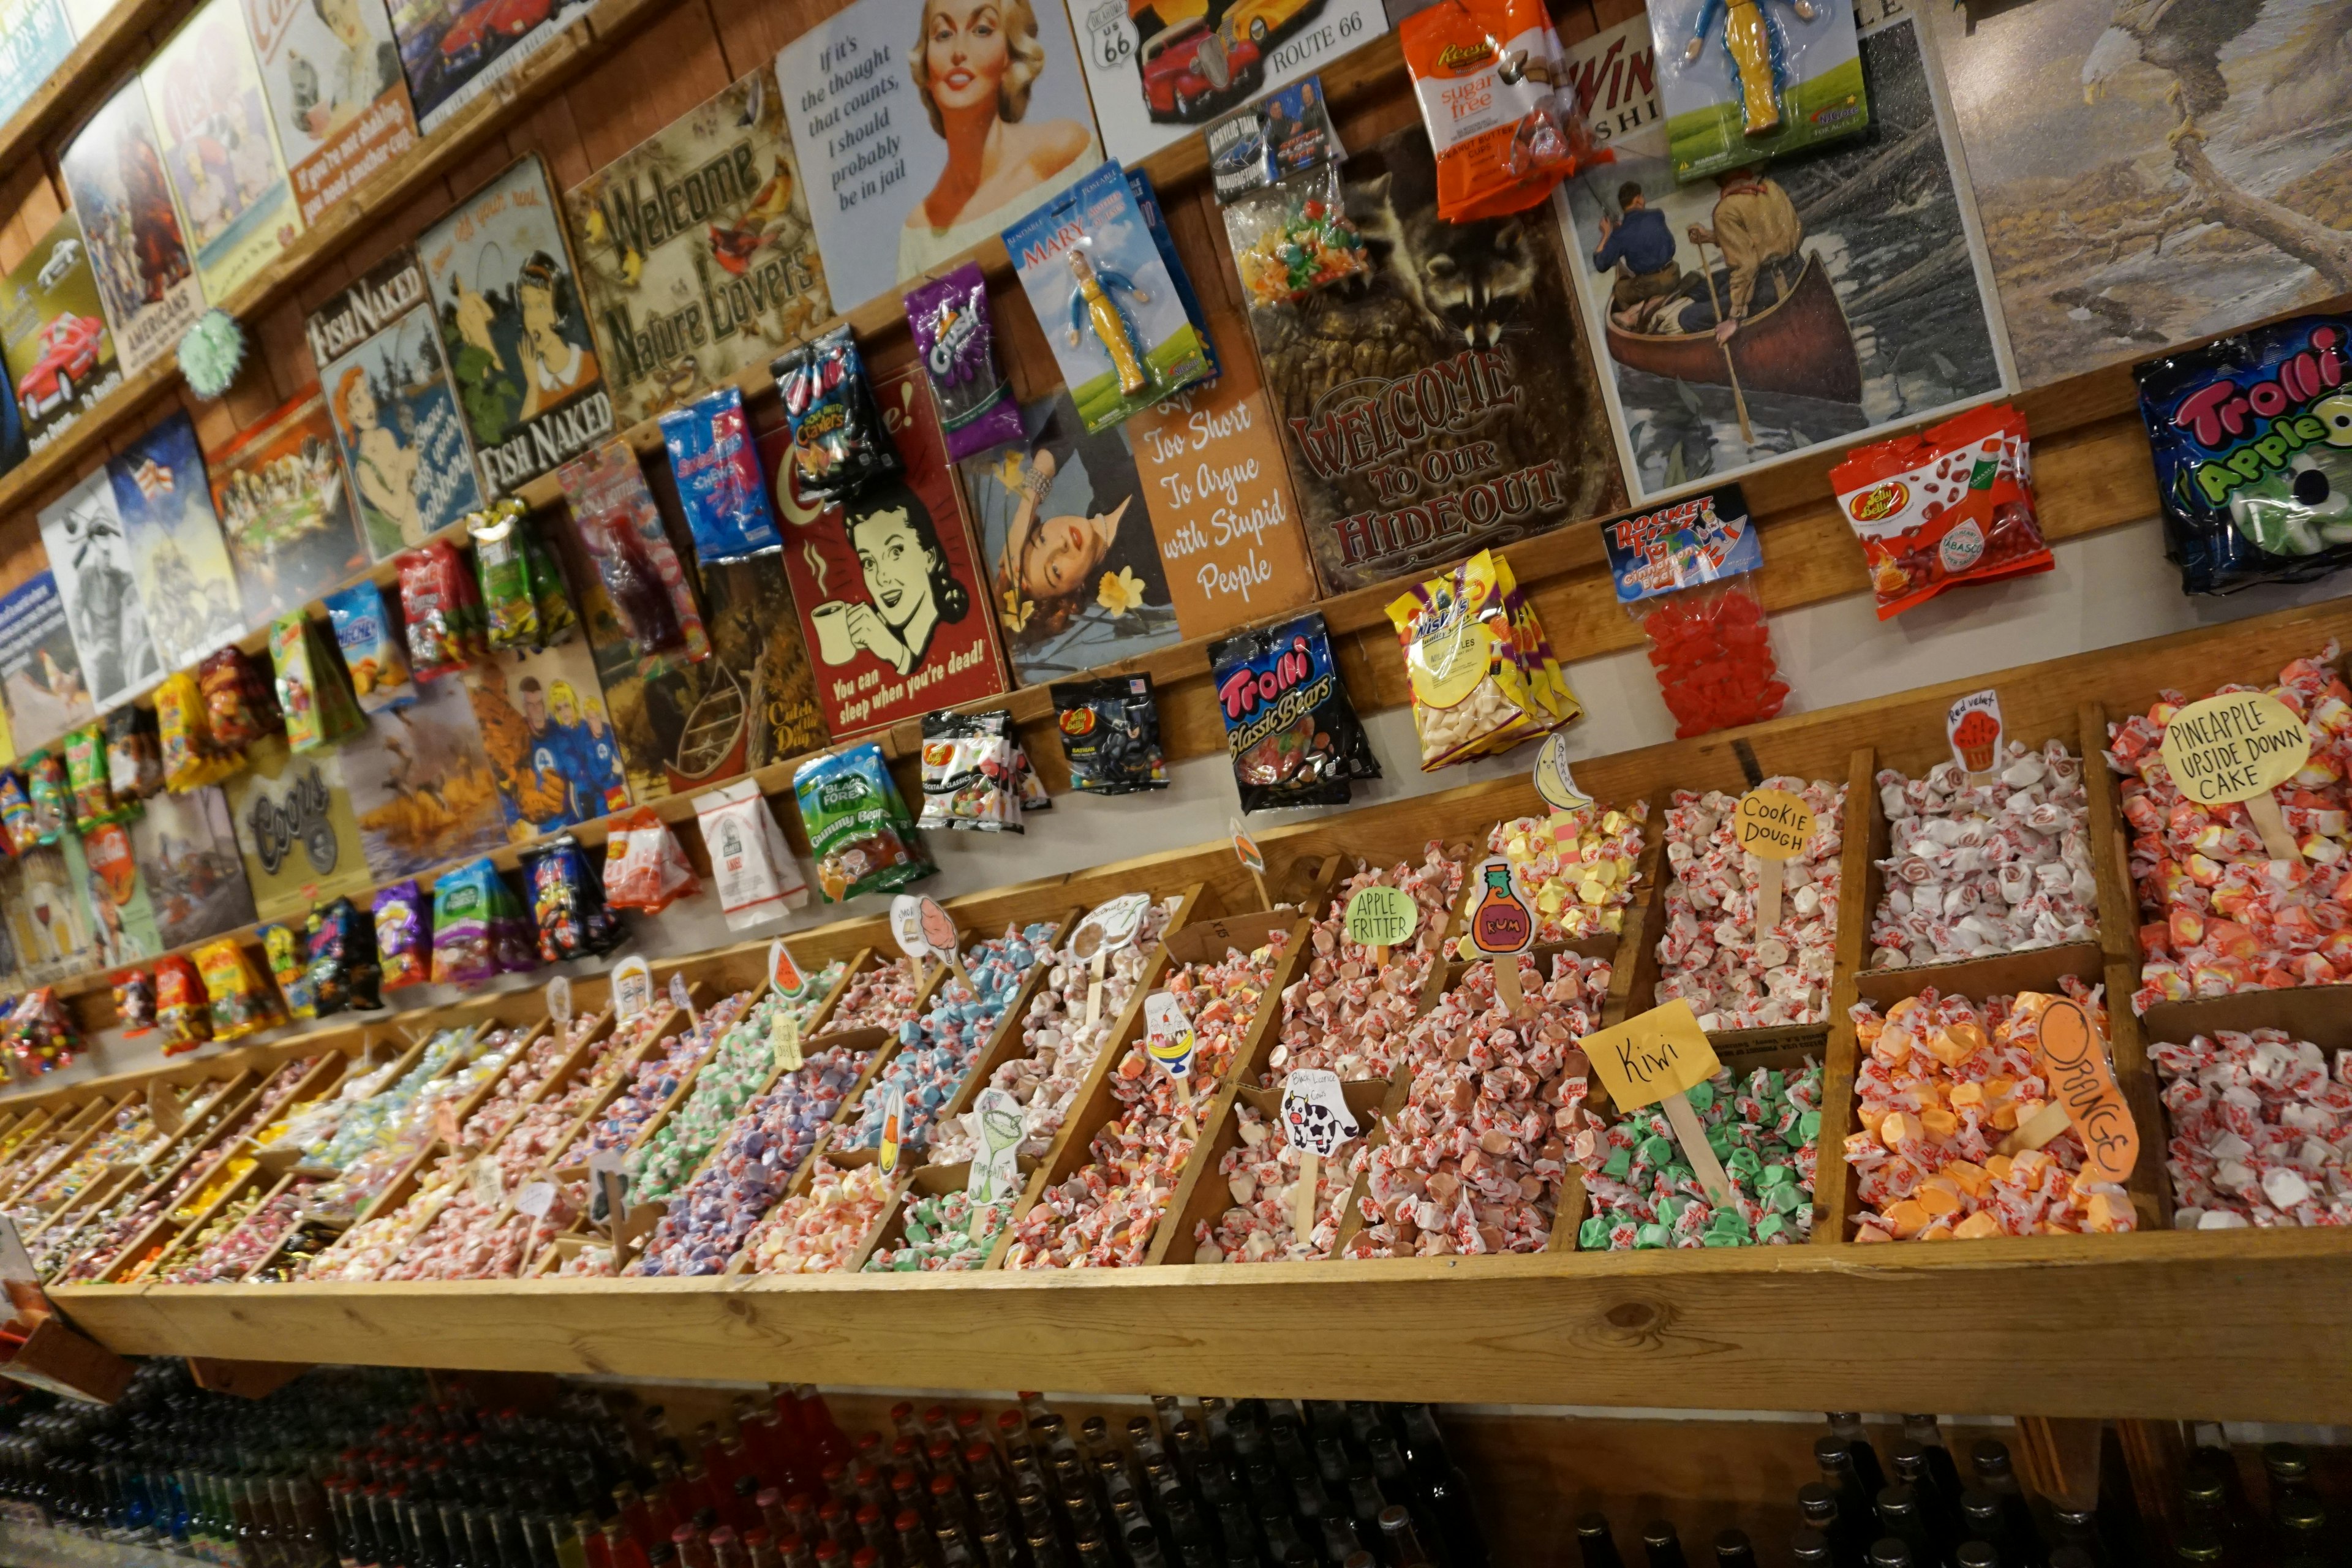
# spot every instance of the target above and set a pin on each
(1502, 114)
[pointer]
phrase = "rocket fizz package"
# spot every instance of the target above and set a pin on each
(86, 784)
(751, 867)
(290, 965)
(242, 1001)
(370, 641)
(1755, 80)
(858, 826)
(1110, 734)
(523, 603)
(621, 529)
(314, 690)
(1686, 573)
(403, 949)
(444, 610)
(1290, 730)
(2252, 437)
(839, 445)
(718, 479)
(1495, 96)
(645, 868)
(134, 753)
(134, 1003)
(975, 773)
(957, 346)
(183, 1011)
(1483, 673)
(1947, 505)
(1285, 215)
(567, 903)
(340, 949)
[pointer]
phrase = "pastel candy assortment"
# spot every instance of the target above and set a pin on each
(1262, 1172)
(657, 1077)
(1765, 1131)
(1944, 1081)
(1344, 1012)
(592, 1260)
(1059, 1047)
(712, 1219)
(1578, 867)
(937, 1050)
(2220, 915)
(521, 1080)
(879, 997)
(819, 1231)
(1473, 1162)
(1978, 869)
(940, 1236)
(2261, 1130)
(223, 1254)
(1707, 955)
(1103, 1216)
(400, 1135)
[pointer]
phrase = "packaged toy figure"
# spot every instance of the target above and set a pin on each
(751, 867)
(134, 1003)
(858, 827)
(1742, 80)
(444, 612)
(839, 446)
(1110, 734)
(1285, 215)
(1290, 728)
(183, 1010)
(621, 530)
(1684, 571)
(290, 966)
(402, 945)
(718, 479)
(1947, 505)
(1112, 311)
(135, 756)
(567, 903)
(643, 868)
(370, 641)
(2252, 437)
(241, 1000)
(1502, 114)
(949, 320)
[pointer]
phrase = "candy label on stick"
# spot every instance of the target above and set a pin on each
(483, 1179)
(681, 998)
(938, 928)
(2084, 1084)
(1773, 825)
(906, 926)
(1314, 1115)
(784, 1040)
(632, 988)
(1383, 917)
(559, 1001)
(1501, 922)
(1110, 926)
(997, 1172)
(1645, 1059)
(535, 1199)
(1974, 728)
(1554, 783)
(445, 1123)
(1252, 857)
(1168, 1034)
(894, 1121)
(783, 971)
(2234, 747)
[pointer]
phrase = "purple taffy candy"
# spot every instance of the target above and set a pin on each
(949, 317)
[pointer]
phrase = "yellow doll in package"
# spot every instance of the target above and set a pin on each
(1483, 673)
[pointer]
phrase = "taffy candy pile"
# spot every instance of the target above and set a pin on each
(940, 1236)
(521, 1080)
(1765, 1131)
(1103, 1216)
(472, 1236)
(2260, 1127)
(225, 1253)
(1473, 1162)
(936, 1051)
(743, 1062)
(656, 1078)
(1262, 1172)
(1713, 652)
(881, 998)
(820, 1230)
(1977, 869)
(2220, 914)
(712, 1219)
(591, 1261)
(1343, 1012)
(1945, 1082)
(1059, 1047)
(1578, 867)
(1708, 955)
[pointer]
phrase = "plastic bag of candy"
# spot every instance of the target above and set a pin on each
(242, 1001)
(510, 612)
(134, 1003)
(645, 870)
(134, 754)
(51, 793)
(290, 965)
(93, 799)
(370, 641)
(441, 609)
(1274, 166)
(1946, 506)
(183, 1011)
(462, 953)
(184, 728)
(2252, 437)
(858, 827)
(1684, 571)
(312, 687)
(403, 945)
(1110, 734)
(1479, 682)
(240, 702)
(969, 778)
(839, 445)
(1290, 730)
(1499, 105)
(514, 944)
(567, 903)
(751, 866)
(955, 343)
(41, 1035)
(345, 973)
(719, 485)
(622, 530)
(15, 811)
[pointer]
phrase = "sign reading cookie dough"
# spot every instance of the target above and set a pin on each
(1775, 827)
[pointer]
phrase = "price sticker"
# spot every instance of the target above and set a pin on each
(1655, 1059)
(785, 1039)
(632, 988)
(1974, 729)
(784, 973)
(2238, 748)
(559, 1002)
(1554, 783)
(1382, 918)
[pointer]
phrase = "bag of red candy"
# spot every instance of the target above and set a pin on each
(443, 611)
(183, 1008)
(644, 866)
(1684, 571)
(1947, 505)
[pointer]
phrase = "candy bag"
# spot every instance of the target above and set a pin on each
(1686, 573)
(444, 615)
(312, 688)
(751, 867)
(240, 702)
(567, 904)
(1290, 730)
(462, 951)
(184, 1012)
(343, 969)
(550, 595)
(134, 1003)
(289, 964)
(858, 827)
(1285, 215)
(510, 612)
(134, 758)
(93, 800)
(839, 446)
(719, 480)
(183, 727)
(2252, 437)
(514, 946)
(621, 530)
(1110, 734)
(1498, 104)
(401, 946)
(369, 642)
(971, 779)
(51, 795)
(949, 320)
(16, 812)
(241, 1001)
(643, 868)
(41, 1035)
(1948, 506)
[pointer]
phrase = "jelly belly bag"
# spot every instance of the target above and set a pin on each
(1948, 506)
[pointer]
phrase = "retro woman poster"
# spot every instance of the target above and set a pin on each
(220, 150)
(332, 74)
(113, 170)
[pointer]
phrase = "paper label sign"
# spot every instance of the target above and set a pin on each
(894, 1122)
(783, 971)
(1773, 825)
(996, 1173)
(484, 1181)
(1645, 1059)
(1110, 926)
(906, 926)
(559, 1002)
(1554, 783)
(445, 1123)
(165, 1111)
(785, 1039)
(632, 988)
(535, 1199)
(2234, 747)
(1314, 1115)
(2084, 1084)
(681, 998)
(1252, 857)
(608, 1185)
(1500, 923)
(1168, 1032)
(1973, 728)
(1383, 917)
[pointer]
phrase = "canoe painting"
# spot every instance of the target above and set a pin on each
(1800, 345)
(712, 747)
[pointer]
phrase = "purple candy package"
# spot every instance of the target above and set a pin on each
(718, 479)
(949, 317)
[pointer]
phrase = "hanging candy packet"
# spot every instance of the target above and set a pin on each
(514, 946)
(134, 758)
(41, 1035)
(567, 903)
(184, 728)
(183, 1011)
(2252, 437)
(1290, 728)
(549, 593)
(645, 870)
(343, 972)
(1274, 166)
(971, 779)
(240, 702)
(313, 689)
(369, 642)
(134, 1003)
(51, 795)
(719, 484)
(16, 812)
(510, 612)
(839, 445)
(289, 964)
(402, 947)
(93, 800)
(751, 866)
(957, 347)
(1946, 506)
(462, 951)
(1110, 734)
(1686, 573)
(241, 1001)
(443, 610)
(621, 530)
(858, 826)
(1477, 691)
(1499, 105)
